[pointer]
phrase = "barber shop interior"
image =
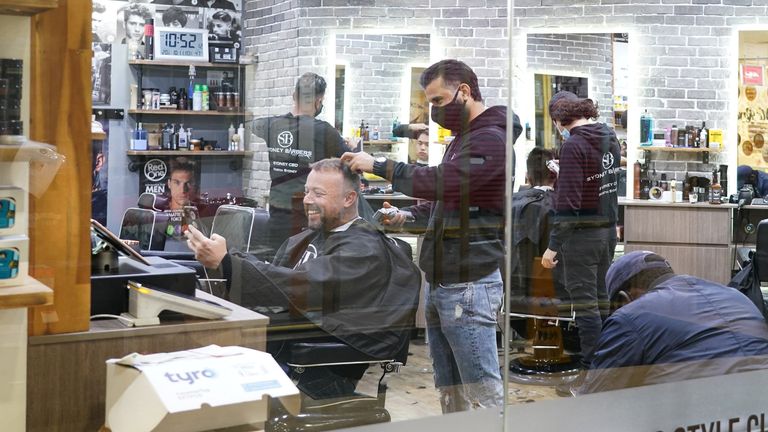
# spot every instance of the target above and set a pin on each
(379, 215)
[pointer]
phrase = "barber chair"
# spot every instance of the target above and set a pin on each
(146, 223)
(337, 413)
(245, 229)
(754, 269)
(548, 364)
(343, 412)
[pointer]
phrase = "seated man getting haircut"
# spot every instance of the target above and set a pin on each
(672, 327)
(375, 281)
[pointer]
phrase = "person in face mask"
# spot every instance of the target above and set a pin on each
(463, 244)
(294, 141)
(583, 238)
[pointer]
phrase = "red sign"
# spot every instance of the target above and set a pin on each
(752, 75)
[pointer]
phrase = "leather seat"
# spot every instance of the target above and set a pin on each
(344, 412)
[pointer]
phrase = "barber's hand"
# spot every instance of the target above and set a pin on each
(209, 251)
(397, 220)
(548, 259)
(418, 127)
(358, 162)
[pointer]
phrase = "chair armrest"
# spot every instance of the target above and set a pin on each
(311, 354)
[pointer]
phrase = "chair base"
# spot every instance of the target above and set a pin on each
(318, 422)
(532, 371)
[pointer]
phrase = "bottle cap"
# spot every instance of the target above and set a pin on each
(198, 88)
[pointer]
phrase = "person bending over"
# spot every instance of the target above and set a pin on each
(375, 281)
(666, 327)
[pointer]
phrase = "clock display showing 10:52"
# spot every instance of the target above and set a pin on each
(187, 44)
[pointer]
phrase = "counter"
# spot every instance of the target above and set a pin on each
(696, 238)
(66, 373)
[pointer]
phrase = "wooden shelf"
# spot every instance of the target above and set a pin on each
(187, 153)
(681, 149)
(26, 7)
(173, 112)
(98, 136)
(28, 152)
(31, 293)
(183, 64)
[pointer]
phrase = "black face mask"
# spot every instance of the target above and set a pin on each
(319, 110)
(451, 116)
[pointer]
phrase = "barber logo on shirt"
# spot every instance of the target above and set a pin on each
(310, 253)
(607, 161)
(285, 139)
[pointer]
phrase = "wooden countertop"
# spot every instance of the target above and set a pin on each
(111, 328)
(30, 293)
(654, 203)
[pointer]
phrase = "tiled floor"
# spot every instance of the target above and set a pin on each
(412, 394)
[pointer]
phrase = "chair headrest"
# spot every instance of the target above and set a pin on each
(155, 202)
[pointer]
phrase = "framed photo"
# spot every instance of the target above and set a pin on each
(752, 75)
(181, 44)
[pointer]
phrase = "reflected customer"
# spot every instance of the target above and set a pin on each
(668, 327)
(583, 238)
(463, 244)
(422, 149)
(376, 281)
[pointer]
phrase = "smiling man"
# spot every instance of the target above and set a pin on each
(376, 285)
(463, 244)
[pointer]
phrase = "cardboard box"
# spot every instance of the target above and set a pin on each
(197, 390)
(13, 211)
(14, 260)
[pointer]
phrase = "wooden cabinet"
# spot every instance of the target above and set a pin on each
(694, 238)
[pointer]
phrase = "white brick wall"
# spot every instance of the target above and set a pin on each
(589, 54)
(683, 60)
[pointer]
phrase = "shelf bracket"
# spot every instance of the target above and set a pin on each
(236, 164)
(134, 166)
(109, 114)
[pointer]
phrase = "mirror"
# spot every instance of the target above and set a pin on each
(752, 120)
(376, 85)
(594, 65)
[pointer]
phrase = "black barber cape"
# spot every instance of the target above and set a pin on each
(532, 213)
(375, 281)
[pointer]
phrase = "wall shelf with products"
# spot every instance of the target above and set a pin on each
(187, 153)
(160, 86)
(161, 63)
(235, 164)
(681, 149)
(174, 112)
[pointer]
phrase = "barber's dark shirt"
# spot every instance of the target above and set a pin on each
(295, 142)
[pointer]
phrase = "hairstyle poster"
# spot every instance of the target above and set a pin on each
(122, 22)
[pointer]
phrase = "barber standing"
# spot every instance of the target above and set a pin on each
(583, 238)
(463, 244)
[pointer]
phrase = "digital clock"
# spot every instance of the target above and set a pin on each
(181, 44)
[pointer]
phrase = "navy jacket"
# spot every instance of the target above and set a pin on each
(683, 328)
(586, 188)
(464, 217)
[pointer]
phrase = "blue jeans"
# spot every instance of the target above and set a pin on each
(461, 330)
